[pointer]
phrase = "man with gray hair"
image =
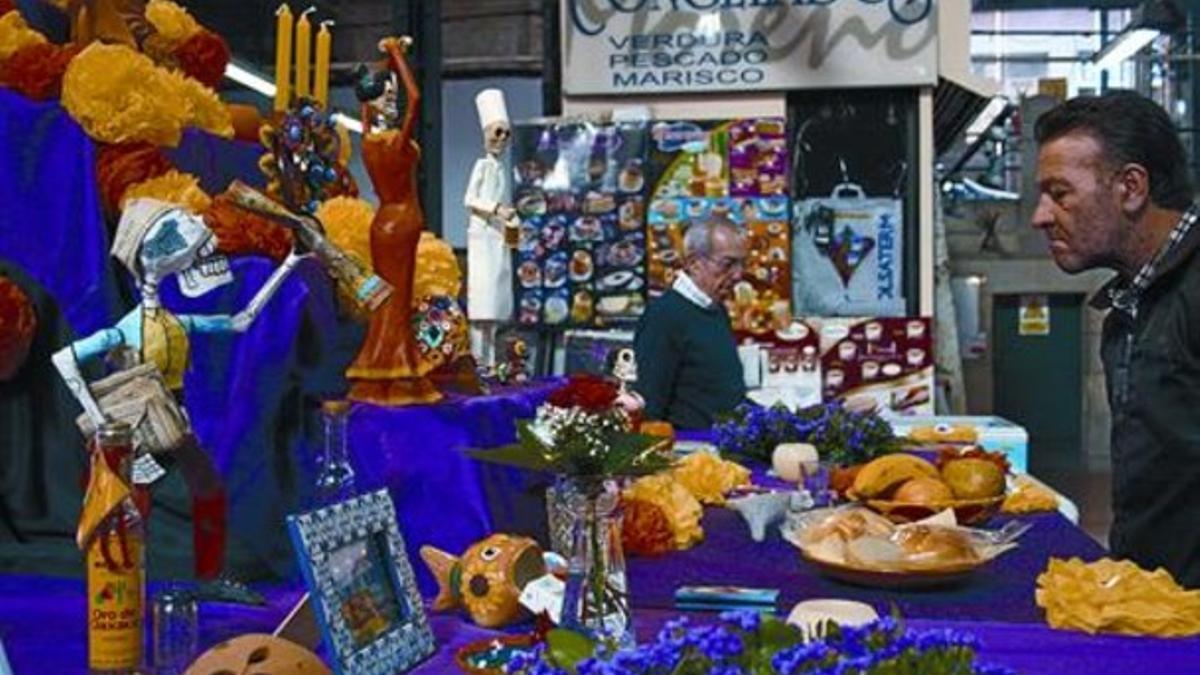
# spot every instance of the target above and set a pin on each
(688, 366)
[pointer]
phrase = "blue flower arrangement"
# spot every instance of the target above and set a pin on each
(759, 644)
(841, 436)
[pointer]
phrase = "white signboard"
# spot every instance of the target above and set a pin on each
(672, 46)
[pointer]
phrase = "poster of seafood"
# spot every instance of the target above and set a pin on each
(580, 194)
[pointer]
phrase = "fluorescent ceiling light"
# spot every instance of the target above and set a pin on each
(248, 79)
(348, 122)
(1124, 46)
(265, 87)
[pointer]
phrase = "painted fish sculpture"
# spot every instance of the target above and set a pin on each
(487, 579)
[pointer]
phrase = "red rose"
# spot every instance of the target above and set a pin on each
(203, 57)
(588, 392)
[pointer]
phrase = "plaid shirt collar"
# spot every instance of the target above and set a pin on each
(1125, 296)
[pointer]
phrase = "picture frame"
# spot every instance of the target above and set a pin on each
(361, 586)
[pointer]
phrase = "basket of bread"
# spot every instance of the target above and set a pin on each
(855, 544)
(906, 488)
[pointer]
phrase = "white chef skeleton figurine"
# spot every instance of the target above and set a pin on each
(154, 240)
(489, 266)
(622, 365)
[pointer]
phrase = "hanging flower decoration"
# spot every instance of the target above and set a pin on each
(18, 324)
(303, 166)
(437, 271)
(203, 57)
(118, 95)
(37, 70)
(347, 223)
(174, 187)
(171, 21)
(240, 232)
(122, 165)
(15, 34)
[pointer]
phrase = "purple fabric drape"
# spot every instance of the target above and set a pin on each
(51, 223)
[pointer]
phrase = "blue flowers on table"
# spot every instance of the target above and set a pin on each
(841, 436)
(761, 644)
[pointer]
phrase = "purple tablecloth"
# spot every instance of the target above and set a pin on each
(1001, 590)
(42, 627)
(443, 497)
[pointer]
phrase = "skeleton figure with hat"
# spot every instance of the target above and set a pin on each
(155, 240)
(491, 232)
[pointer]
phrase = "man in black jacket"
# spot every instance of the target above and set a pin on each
(1115, 193)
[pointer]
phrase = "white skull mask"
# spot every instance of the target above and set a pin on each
(624, 365)
(180, 243)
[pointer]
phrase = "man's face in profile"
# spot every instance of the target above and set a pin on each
(1078, 208)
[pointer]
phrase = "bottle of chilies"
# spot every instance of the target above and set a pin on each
(116, 578)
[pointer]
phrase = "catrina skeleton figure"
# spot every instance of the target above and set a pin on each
(155, 240)
(488, 579)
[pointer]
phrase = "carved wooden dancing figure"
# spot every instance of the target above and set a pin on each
(388, 369)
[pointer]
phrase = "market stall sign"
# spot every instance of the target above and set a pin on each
(672, 46)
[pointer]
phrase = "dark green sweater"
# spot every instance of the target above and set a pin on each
(688, 366)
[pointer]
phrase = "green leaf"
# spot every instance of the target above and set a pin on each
(777, 635)
(568, 648)
(513, 455)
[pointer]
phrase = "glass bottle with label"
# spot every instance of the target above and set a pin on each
(116, 571)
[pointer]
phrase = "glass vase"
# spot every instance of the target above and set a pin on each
(597, 597)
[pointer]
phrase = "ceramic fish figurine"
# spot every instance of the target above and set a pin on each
(486, 580)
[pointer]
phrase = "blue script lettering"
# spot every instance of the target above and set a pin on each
(886, 274)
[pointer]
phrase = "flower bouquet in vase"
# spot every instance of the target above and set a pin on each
(583, 436)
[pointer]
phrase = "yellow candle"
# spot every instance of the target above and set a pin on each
(303, 54)
(283, 57)
(321, 74)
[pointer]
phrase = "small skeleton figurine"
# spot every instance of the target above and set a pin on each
(515, 369)
(622, 365)
(491, 231)
(155, 240)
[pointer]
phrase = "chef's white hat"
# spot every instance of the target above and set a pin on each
(490, 104)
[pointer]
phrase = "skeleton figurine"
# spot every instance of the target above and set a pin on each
(155, 240)
(515, 368)
(622, 365)
(491, 232)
